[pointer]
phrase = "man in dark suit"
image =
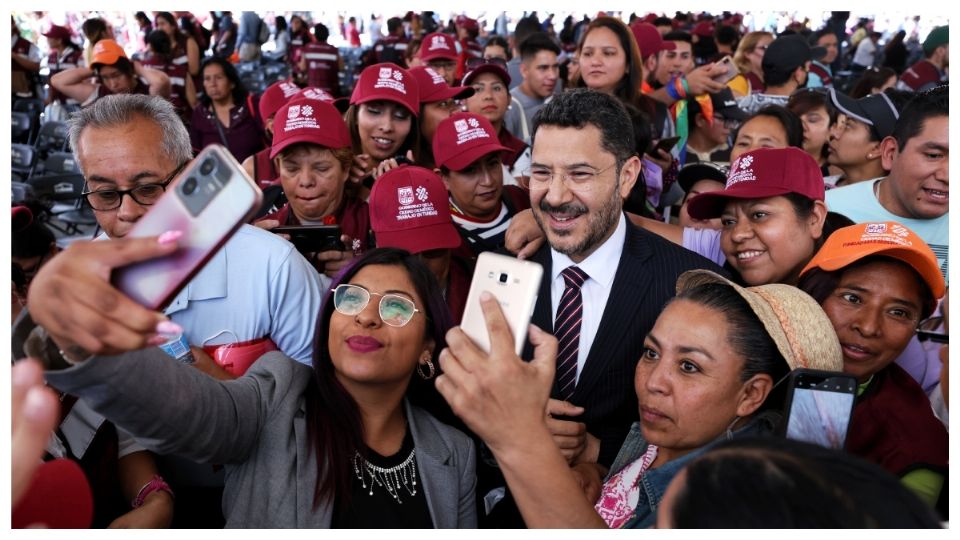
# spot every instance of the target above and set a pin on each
(584, 164)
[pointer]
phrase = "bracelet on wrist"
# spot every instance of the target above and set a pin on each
(155, 484)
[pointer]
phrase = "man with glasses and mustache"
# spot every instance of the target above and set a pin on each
(605, 280)
(256, 288)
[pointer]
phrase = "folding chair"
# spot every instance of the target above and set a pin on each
(23, 160)
(63, 191)
(22, 125)
(60, 163)
(52, 137)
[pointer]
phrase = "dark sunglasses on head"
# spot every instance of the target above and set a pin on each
(474, 63)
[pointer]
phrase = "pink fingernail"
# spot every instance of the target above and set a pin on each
(169, 237)
(157, 340)
(169, 328)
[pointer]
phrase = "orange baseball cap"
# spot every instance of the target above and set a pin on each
(888, 238)
(107, 52)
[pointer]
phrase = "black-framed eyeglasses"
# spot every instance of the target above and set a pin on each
(728, 123)
(145, 194)
(927, 330)
(395, 310)
(30, 273)
(474, 63)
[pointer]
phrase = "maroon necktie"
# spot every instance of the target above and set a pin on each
(566, 328)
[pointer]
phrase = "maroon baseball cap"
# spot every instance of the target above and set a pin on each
(437, 45)
(462, 139)
(761, 173)
(649, 39)
(467, 22)
(275, 96)
(703, 29)
(314, 93)
(21, 217)
(479, 66)
(388, 82)
(58, 32)
(434, 88)
(310, 121)
(409, 209)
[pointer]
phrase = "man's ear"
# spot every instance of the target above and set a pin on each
(889, 149)
(628, 175)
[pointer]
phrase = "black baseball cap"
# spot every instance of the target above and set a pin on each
(725, 105)
(787, 53)
(877, 111)
(692, 173)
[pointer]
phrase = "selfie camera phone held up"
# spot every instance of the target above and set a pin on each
(207, 202)
(730, 70)
(819, 407)
(515, 284)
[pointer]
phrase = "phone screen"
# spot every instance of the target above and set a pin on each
(820, 411)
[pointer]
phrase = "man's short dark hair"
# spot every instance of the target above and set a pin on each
(581, 106)
(393, 24)
(678, 35)
(525, 27)
(535, 43)
(663, 21)
(776, 75)
(815, 37)
(321, 32)
(925, 105)
(727, 35)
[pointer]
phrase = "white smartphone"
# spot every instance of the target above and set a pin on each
(730, 70)
(515, 284)
(208, 202)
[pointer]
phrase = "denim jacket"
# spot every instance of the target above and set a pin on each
(654, 482)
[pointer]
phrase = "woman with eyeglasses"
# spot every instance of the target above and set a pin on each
(749, 59)
(877, 282)
(338, 445)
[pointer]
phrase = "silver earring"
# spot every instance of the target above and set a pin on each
(430, 369)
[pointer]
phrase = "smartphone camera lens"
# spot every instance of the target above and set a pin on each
(208, 166)
(504, 278)
(189, 186)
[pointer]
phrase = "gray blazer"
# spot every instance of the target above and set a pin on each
(256, 426)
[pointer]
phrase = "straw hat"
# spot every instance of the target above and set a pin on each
(794, 320)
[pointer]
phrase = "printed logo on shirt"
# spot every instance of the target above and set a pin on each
(392, 79)
(300, 117)
(469, 130)
(741, 171)
(410, 208)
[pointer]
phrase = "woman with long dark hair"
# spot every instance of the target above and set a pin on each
(225, 113)
(183, 48)
(335, 445)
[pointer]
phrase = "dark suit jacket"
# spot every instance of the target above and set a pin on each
(646, 278)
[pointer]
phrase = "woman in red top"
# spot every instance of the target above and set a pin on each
(224, 114)
(311, 150)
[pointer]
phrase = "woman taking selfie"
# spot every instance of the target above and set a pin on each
(707, 372)
(335, 445)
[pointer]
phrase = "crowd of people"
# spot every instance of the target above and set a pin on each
(714, 210)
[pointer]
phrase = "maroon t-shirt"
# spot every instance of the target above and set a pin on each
(244, 136)
(322, 66)
(515, 147)
(921, 76)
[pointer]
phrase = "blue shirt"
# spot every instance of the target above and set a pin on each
(256, 285)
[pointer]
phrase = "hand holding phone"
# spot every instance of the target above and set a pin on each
(207, 203)
(515, 284)
(664, 145)
(729, 70)
(819, 406)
